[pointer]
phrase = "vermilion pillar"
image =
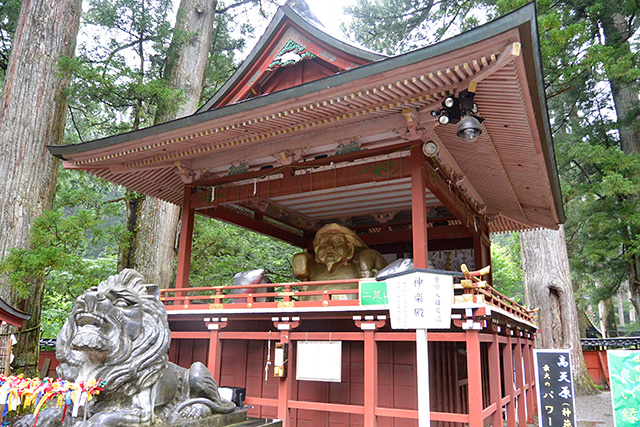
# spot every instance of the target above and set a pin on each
(214, 360)
(419, 208)
(495, 389)
(284, 386)
(507, 357)
(186, 238)
(519, 368)
(530, 379)
(474, 375)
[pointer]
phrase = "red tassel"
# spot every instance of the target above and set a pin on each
(64, 412)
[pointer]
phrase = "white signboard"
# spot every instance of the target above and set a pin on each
(420, 300)
(319, 361)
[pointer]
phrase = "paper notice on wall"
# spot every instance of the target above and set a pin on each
(319, 361)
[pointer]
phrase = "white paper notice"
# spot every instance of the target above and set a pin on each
(319, 361)
(420, 300)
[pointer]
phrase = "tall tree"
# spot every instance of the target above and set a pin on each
(153, 244)
(32, 115)
(548, 287)
(156, 222)
(619, 22)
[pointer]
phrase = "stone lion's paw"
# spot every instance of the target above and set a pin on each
(195, 411)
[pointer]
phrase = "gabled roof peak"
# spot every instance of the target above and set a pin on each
(295, 22)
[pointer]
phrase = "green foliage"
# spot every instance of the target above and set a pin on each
(392, 26)
(9, 12)
(118, 74)
(224, 49)
(72, 246)
(506, 265)
(221, 250)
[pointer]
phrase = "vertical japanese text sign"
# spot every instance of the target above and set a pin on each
(420, 300)
(556, 404)
(624, 370)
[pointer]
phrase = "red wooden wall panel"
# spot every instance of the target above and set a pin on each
(243, 365)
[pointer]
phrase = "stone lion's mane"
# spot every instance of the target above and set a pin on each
(139, 363)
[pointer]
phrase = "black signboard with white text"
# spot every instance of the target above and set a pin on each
(556, 404)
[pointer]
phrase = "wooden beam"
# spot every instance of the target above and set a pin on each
(215, 355)
(435, 233)
(508, 55)
(383, 170)
(348, 157)
(348, 128)
(370, 378)
(530, 379)
(419, 208)
(519, 368)
(228, 215)
(186, 239)
(447, 193)
(507, 357)
(495, 380)
(482, 252)
(474, 375)
(284, 384)
(434, 245)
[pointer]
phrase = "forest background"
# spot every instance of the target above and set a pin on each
(119, 82)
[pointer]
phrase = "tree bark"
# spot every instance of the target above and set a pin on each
(548, 287)
(620, 296)
(625, 99)
(154, 242)
(607, 316)
(32, 115)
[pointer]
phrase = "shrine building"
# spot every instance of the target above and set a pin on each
(422, 155)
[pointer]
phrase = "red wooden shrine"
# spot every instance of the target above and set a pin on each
(309, 131)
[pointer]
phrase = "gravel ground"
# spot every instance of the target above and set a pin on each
(594, 411)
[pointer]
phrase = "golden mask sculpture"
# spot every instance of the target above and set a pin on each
(339, 254)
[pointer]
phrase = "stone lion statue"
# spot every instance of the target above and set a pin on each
(118, 332)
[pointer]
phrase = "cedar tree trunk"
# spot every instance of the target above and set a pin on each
(32, 115)
(548, 287)
(154, 225)
(607, 316)
(625, 99)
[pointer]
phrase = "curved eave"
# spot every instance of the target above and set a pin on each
(521, 19)
(145, 142)
(11, 315)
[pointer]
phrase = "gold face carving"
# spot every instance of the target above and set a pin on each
(333, 249)
(339, 254)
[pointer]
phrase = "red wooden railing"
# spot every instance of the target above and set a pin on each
(289, 295)
(482, 293)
